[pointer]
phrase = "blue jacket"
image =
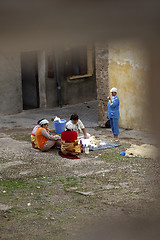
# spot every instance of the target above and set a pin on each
(113, 109)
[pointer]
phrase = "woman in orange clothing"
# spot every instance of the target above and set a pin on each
(33, 134)
(44, 140)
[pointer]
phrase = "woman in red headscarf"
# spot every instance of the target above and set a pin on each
(69, 142)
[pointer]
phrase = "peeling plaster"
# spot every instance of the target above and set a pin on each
(134, 66)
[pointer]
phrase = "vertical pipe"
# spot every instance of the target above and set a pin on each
(58, 78)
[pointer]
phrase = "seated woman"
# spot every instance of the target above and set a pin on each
(70, 144)
(44, 140)
(33, 134)
(76, 125)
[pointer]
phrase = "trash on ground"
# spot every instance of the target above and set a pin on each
(123, 153)
(85, 193)
(109, 186)
(4, 207)
(71, 189)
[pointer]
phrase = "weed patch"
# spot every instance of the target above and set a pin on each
(69, 182)
(22, 137)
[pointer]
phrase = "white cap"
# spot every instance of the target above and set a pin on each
(44, 121)
(113, 90)
(69, 126)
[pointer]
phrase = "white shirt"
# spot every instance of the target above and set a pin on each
(75, 127)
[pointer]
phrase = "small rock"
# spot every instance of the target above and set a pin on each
(124, 185)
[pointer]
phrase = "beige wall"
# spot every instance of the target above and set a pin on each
(128, 72)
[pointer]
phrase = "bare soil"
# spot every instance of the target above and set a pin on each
(44, 196)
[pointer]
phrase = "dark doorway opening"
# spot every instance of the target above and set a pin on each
(30, 86)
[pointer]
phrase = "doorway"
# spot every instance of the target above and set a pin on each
(30, 85)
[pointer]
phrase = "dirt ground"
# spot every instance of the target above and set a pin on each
(44, 196)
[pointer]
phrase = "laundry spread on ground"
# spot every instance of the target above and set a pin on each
(144, 151)
(104, 145)
(94, 144)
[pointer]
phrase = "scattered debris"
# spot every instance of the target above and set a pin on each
(109, 186)
(123, 153)
(85, 193)
(93, 172)
(4, 207)
(71, 189)
(24, 172)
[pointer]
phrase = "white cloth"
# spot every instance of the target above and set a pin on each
(113, 90)
(90, 142)
(78, 127)
(44, 121)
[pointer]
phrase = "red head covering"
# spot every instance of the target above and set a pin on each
(69, 135)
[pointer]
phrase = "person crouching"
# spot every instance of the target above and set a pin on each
(44, 140)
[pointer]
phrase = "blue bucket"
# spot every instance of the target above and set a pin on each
(59, 127)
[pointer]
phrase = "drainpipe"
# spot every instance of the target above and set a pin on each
(58, 78)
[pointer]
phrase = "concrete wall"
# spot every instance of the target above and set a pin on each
(51, 92)
(10, 83)
(42, 78)
(128, 72)
(80, 90)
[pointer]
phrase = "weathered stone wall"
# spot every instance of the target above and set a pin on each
(101, 56)
(10, 83)
(128, 72)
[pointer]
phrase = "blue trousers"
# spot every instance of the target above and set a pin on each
(114, 125)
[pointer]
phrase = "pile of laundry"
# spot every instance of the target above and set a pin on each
(143, 151)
